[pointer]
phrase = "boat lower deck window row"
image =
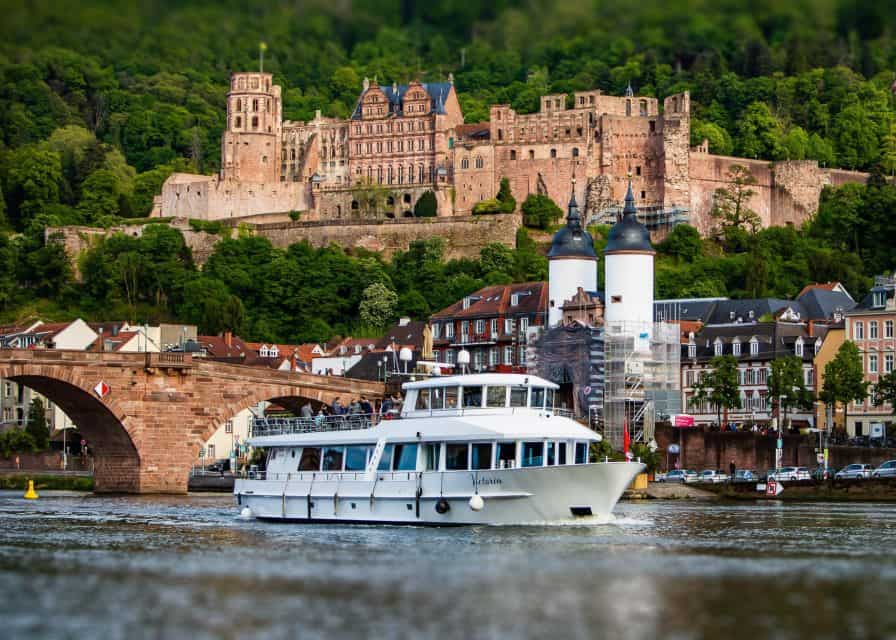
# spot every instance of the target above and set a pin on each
(436, 456)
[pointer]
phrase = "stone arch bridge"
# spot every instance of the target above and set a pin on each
(146, 431)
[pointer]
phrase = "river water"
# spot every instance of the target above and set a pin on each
(75, 566)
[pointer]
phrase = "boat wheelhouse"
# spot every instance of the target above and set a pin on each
(484, 448)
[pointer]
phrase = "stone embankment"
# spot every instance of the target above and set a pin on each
(669, 491)
(882, 490)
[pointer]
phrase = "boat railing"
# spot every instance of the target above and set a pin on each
(329, 476)
(316, 424)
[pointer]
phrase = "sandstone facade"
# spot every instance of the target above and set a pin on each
(402, 140)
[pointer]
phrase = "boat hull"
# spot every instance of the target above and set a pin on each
(509, 496)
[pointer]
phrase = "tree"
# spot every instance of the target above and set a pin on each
(378, 303)
(786, 386)
(760, 134)
(491, 205)
(505, 197)
(427, 205)
(683, 242)
(33, 183)
(719, 386)
(731, 204)
(844, 380)
(718, 138)
(888, 151)
(539, 211)
(885, 391)
(36, 426)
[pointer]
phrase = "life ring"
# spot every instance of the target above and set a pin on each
(442, 506)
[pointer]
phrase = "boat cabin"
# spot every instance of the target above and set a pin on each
(459, 395)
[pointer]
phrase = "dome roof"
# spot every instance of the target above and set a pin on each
(628, 234)
(572, 241)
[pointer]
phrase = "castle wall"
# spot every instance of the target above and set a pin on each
(212, 198)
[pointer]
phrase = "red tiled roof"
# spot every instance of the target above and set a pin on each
(477, 129)
(495, 300)
(827, 286)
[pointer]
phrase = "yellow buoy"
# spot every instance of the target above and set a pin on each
(31, 494)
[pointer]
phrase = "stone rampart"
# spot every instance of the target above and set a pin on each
(464, 236)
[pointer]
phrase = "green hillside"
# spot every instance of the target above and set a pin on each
(100, 102)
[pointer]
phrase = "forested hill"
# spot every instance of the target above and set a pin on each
(141, 85)
(100, 102)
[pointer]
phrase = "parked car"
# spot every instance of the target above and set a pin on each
(859, 441)
(679, 475)
(820, 473)
(783, 474)
(715, 477)
(802, 473)
(886, 470)
(854, 472)
(745, 475)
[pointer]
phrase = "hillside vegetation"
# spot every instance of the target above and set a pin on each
(99, 103)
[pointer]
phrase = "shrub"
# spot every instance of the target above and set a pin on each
(540, 212)
(427, 206)
(295, 215)
(487, 206)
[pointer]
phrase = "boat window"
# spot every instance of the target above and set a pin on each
(455, 457)
(333, 458)
(432, 456)
(496, 396)
(506, 455)
(552, 448)
(422, 403)
(518, 396)
(355, 458)
(405, 458)
(561, 453)
(386, 459)
(451, 397)
(437, 397)
(482, 455)
(581, 452)
(472, 396)
(537, 397)
(533, 454)
(549, 398)
(310, 460)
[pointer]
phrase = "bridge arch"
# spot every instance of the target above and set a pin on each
(102, 424)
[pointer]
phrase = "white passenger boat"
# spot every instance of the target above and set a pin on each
(470, 449)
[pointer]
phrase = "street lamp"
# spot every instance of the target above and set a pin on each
(405, 355)
(385, 369)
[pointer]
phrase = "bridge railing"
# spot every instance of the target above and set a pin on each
(286, 426)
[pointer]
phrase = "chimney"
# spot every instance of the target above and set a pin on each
(404, 321)
(228, 338)
(102, 340)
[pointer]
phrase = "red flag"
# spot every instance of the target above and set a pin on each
(626, 439)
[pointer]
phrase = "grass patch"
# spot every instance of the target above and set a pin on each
(48, 483)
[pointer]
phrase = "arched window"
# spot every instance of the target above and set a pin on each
(575, 152)
(379, 175)
(239, 104)
(465, 163)
(478, 162)
(553, 153)
(255, 105)
(643, 107)
(254, 122)
(400, 174)
(239, 122)
(420, 175)
(531, 154)
(500, 134)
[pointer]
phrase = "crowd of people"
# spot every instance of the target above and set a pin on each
(388, 409)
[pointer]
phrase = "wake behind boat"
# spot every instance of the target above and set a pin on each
(469, 449)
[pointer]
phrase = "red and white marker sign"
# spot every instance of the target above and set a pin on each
(101, 389)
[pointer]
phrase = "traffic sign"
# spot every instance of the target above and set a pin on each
(101, 389)
(773, 488)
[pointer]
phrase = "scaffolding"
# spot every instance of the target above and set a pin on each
(642, 380)
(654, 217)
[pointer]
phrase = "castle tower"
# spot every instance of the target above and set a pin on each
(628, 269)
(250, 146)
(572, 262)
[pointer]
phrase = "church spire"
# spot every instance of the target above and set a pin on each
(573, 218)
(629, 209)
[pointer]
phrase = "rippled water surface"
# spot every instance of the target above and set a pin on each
(75, 566)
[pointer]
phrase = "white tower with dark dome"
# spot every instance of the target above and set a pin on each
(628, 265)
(572, 262)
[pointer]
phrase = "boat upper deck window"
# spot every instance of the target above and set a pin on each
(481, 455)
(552, 460)
(405, 457)
(422, 403)
(455, 457)
(581, 452)
(310, 460)
(451, 397)
(444, 398)
(432, 456)
(496, 396)
(505, 455)
(537, 397)
(533, 454)
(472, 397)
(332, 459)
(549, 398)
(355, 458)
(518, 396)
(386, 459)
